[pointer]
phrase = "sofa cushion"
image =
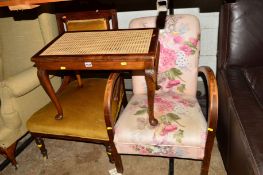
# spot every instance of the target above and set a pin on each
(181, 131)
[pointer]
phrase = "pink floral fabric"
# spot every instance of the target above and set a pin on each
(179, 52)
(181, 130)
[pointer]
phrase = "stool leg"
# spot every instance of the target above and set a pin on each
(109, 153)
(40, 144)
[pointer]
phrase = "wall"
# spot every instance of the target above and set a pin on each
(19, 40)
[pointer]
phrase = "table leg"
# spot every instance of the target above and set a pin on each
(46, 84)
(156, 64)
(150, 78)
(65, 82)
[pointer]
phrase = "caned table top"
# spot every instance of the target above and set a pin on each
(97, 42)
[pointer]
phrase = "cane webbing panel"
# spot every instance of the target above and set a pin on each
(107, 42)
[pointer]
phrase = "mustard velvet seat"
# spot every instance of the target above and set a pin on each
(83, 113)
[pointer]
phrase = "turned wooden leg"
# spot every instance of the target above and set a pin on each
(40, 144)
(114, 157)
(109, 153)
(9, 153)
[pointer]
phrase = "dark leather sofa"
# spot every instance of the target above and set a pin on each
(240, 81)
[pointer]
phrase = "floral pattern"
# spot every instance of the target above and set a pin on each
(164, 111)
(175, 55)
(180, 120)
(179, 51)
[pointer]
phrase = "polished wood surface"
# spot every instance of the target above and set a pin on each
(148, 62)
(210, 79)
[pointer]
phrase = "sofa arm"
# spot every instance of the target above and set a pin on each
(20, 96)
(21, 83)
(13, 88)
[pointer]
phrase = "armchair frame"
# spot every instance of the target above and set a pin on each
(212, 114)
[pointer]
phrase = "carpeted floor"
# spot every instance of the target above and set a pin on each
(78, 158)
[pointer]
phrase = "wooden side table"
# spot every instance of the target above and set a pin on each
(129, 49)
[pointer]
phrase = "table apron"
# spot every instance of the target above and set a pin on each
(107, 65)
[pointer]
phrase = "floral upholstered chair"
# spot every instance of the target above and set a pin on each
(182, 129)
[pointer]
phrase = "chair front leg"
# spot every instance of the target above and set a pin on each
(109, 153)
(41, 145)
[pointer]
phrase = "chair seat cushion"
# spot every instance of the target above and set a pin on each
(181, 131)
(82, 111)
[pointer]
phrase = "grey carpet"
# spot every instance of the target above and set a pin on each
(78, 158)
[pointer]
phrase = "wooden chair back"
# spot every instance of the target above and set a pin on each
(87, 20)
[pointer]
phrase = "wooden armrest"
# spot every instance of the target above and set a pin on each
(212, 113)
(212, 97)
(114, 98)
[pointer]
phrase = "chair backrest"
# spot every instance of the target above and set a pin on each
(87, 20)
(179, 53)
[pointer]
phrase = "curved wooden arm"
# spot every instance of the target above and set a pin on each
(212, 96)
(212, 114)
(114, 98)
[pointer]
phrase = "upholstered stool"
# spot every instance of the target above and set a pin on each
(84, 111)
